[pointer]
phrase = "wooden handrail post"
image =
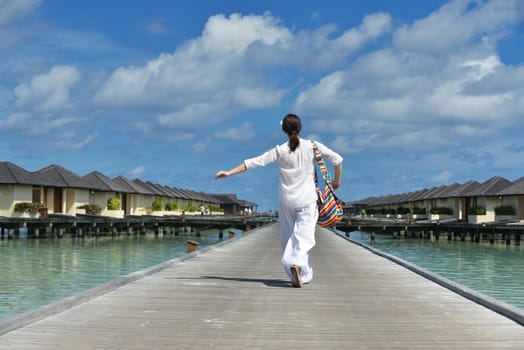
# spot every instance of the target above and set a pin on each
(191, 246)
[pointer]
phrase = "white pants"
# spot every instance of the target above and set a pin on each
(297, 236)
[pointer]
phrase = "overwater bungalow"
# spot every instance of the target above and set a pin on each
(511, 201)
(105, 191)
(137, 196)
(232, 205)
(495, 200)
(484, 200)
(56, 190)
(16, 186)
(62, 190)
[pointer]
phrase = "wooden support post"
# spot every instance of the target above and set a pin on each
(191, 246)
(221, 234)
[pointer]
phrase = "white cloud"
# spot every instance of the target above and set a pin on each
(245, 132)
(373, 26)
(138, 171)
(49, 91)
(406, 96)
(156, 27)
(342, 145)
(321, 48)
(457, 23)
(202, 146)
(70, 139)
(11, 9)
(206, 71)
(442, 177)
(254, 97)
(192, 116)
(222, 72)
(33, 124)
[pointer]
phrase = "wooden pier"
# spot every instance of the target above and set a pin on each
(236, 296)
(455, 230)
(92, 225)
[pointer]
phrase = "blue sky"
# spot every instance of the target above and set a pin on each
(412, 93)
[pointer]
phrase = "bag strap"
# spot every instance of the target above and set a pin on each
(321, 164)
(323, 169)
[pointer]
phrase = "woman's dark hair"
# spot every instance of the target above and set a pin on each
(292, 126)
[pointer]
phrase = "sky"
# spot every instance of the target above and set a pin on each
(413, 94)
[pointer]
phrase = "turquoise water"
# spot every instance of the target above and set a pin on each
(496, 270)
(36, 272)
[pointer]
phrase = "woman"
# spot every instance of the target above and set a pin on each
(298, 210)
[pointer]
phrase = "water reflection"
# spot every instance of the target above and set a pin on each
(495, 270)
(36, 272)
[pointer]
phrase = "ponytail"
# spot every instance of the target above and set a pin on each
(292, 126)
(294, 141)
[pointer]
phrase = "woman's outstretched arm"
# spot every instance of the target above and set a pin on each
(238, 169)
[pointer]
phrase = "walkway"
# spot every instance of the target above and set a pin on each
(236, 296)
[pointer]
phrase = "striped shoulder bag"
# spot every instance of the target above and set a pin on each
(329, 206)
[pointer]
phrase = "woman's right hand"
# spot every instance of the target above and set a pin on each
(221, 174)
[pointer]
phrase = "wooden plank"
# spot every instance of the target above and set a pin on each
(236, 296)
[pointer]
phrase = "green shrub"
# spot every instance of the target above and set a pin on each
(504, 210)
(114, 204)
(441, 211)
(419, 211)
(215, 209)
(477, 211)
(156, 205)
(191, 208)
(402, 210)
(91, 209)
(28, 207)
(170, 206)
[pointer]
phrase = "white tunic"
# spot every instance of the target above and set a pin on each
(296, 170)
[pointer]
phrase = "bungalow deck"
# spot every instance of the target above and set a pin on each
(79, 225)
(454, 230)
